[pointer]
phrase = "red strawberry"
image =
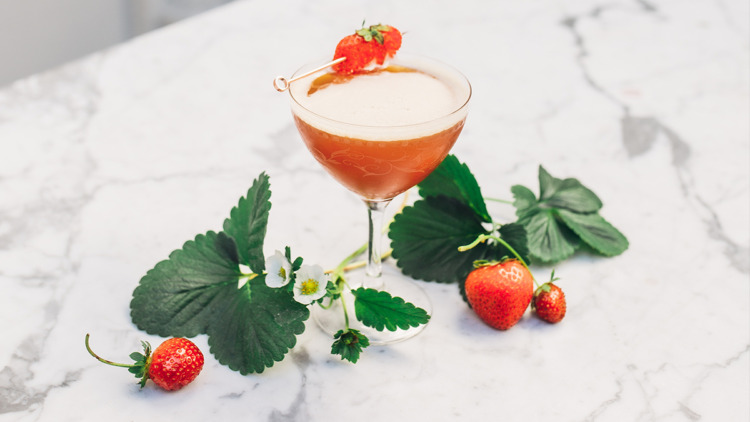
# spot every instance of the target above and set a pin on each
(391, 43)
(367, 45)
(173, 365)
(500, 293)
(549, 303)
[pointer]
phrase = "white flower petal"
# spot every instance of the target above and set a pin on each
(242, 281)
(310, 284)
(278, 270)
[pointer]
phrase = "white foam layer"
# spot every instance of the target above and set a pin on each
(385, 99)
(386, 105)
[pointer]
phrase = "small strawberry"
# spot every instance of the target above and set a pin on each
(173, 365)
(367, 45)
(499, 293)
(549, 302)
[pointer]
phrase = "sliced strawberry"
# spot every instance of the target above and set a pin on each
(391, 43)
(373, 44)
(358, 52)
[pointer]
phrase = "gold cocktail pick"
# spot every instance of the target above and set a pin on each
(282, 84)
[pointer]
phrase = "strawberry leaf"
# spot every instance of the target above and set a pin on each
(247, 224)
(425, 238)
(566, 193)
(515, 235)
(524, 199)
(548, 239)
(195, 291)
(379, 310)
(596, 232)
(454, 179)
(565, 214)
(261, 327)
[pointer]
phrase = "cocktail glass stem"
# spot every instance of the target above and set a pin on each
(374, 268)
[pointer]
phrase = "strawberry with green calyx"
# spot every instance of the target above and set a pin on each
(549, 302)
(500, 292)
(389, 40)
(366, 46)
(171, 366)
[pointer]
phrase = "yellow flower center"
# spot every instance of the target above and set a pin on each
(282, 273)
(309, 286)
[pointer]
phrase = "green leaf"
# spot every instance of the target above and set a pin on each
(176, 297)
(195, 291)
(454, 179)
(566, 193)
(379, 310)
(548, 240)
(425, 238)
(515, 235)
(247, 224)
(524, 199)
(564, 215)
(349, 344)
(596, 232)
(258, 326)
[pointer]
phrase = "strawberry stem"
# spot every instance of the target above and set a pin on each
(502, 201)
(346, 314)
(484, 237)
(100, 359)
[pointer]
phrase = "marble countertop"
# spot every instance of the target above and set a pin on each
(111, 162)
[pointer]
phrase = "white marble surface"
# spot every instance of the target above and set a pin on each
(110, 163)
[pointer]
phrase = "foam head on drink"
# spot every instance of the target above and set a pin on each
(382, 132)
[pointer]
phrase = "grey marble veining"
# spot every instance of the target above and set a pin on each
(109, 163)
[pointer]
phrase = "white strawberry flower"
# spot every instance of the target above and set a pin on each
(310, 284)
(279, 270)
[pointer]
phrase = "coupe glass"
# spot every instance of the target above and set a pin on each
(377, 163)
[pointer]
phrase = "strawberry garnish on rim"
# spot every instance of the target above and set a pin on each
(355, 52)
(367, 46)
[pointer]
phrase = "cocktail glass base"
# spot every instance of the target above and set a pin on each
(332, 319)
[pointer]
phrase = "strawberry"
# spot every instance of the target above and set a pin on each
(173, 365)
(390, 45)
(549, 302)
(499, 293)
(367, 45)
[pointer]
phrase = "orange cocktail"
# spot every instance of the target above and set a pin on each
(378, 170)
(381, 133)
